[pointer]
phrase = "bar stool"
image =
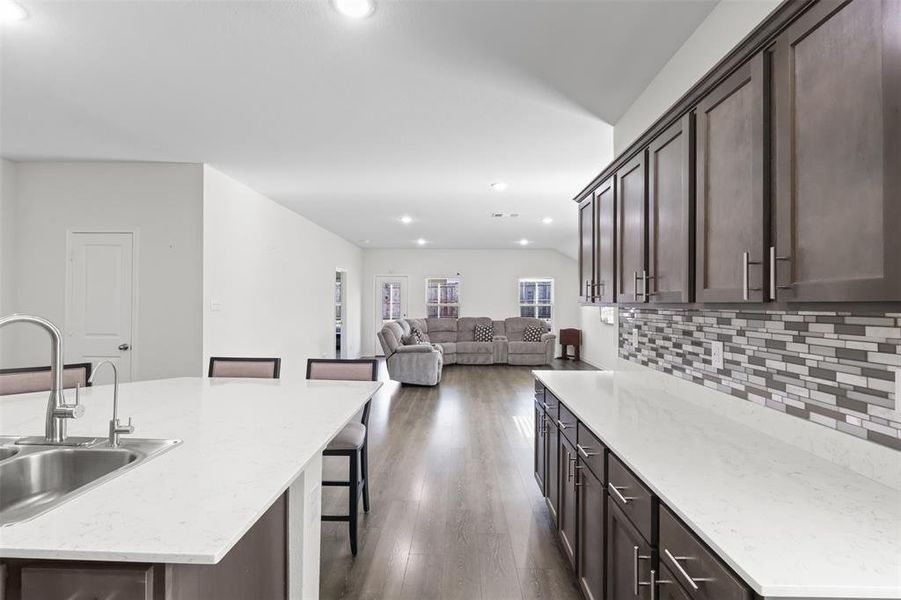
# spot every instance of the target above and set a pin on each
(260, 368)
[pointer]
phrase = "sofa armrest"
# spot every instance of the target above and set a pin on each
(548, 336)
(414, 348)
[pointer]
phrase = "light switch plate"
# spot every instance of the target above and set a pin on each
(215, 305)
(635, 337)
(716, 354)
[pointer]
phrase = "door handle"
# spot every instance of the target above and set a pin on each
(124, 347)
(746, 263)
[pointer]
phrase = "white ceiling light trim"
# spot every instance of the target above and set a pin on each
(406, 219)
(355, 9)
(11, 12)
(421, 242)
(523, 242)
(499, 186)
(547, 220)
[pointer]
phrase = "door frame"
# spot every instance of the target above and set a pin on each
(376, 347)
(135, 232)
(342, 273)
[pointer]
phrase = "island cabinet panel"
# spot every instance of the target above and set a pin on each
(86, 581)
(730, 177)
(630, 558)
(668, 587)
(586, 249)
(540, 448)
(632, 497)
(552, 471)
(697, 569)
(605, 240)
(670, 206)
(567, 516)
(592, 500)
(631, 230)
(837, 157)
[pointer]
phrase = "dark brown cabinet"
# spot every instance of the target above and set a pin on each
(668, 587)
(630, 558)
(731, 202)
(540, 458)
(837, 154)
(670, 187)
(631, 231)
(605, 241)
(592, 509)
(586, 249)
(552, 472)
(566, 514)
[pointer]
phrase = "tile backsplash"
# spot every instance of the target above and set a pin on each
(834, 368)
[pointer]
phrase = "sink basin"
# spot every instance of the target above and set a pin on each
(39, 478)
(8, 453)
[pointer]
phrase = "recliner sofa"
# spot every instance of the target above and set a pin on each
(452, 341)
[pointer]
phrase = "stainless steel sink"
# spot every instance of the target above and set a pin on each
(39, 478)
(8, 453)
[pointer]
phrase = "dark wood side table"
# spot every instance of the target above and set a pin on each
(570, 337)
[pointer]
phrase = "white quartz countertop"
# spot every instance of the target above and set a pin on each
(244, 442)
(791, 524)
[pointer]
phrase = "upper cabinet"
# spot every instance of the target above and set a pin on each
(586, 249)
(605, 241)
(631, 230)
(730, 188)
(670, 218)
(837, 154)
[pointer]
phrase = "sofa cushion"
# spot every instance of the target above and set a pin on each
(532, 333)
(448, 347)
(442, 330)
(483, 333)
(422, 324)
(499, 328)
(475, 347)
(391, 337)
(526, 347)
(515, 327)
(466, 327)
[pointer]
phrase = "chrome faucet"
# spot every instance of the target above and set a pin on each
(58, 410)
(115, 427)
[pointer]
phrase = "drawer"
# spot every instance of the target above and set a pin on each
(591, 452)
(551, 405)
(51, 583)
(698, 570)
(539, 387)
(668, 587)
(632, 497)
(567, 423)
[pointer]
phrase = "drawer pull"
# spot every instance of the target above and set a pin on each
(585, 451)
(692, 581)
(546, 407)
(615, 489)
(561, 424)
(635, 558)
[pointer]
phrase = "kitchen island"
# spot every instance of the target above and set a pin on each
(238, 499)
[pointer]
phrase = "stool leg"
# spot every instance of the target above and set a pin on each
(364, 467)
(354, 493)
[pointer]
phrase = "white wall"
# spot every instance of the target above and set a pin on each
(163, 203)
(726, 25)
(271, 274)
(490, 281)
(600, 346)
(7, 251)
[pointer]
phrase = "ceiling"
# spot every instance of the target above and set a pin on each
(413, 111)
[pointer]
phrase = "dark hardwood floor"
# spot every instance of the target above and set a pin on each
(456, 512)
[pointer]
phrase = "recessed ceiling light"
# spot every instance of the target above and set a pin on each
(498, 186)
(421, 242)
(406, 219)
(10, 12)
(523, 242)
(547, 220)
(355, 9)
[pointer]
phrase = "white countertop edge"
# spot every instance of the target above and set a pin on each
(778, 591)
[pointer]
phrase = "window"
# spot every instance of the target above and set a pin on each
(442, 297)
(391, 301)
(536, 299)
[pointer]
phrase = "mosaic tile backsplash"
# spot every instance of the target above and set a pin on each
(834, 368)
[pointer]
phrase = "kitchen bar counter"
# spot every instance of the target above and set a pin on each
(245, 442)
(791, 524)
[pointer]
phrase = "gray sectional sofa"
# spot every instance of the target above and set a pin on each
(452, 341)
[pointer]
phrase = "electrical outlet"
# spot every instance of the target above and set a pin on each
(635, 337)
(716, 354)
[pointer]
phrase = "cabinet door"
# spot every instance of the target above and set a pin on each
(540, 447)
(731, 130)
(670, 187)
(567, 510)
(586, 249)
(668, 587)
(592, 513)
(629, 558)
(837, 111)
(605, 240)
(631, 231)
(552, 479)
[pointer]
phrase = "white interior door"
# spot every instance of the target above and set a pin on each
(100, 301)
(390, 302)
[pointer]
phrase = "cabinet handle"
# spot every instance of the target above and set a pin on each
(560, 423)
(585, 451)
(773, 286)
(636, 583)
(746, 263)
(616, 492)
(647, 285)
(635, 284)
(691, 581)
(569, 469)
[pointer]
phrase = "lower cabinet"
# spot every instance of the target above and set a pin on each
(566, 513)
(629, 558)
(540, 458)
(552, 481)
(592, 510)
(667, 586)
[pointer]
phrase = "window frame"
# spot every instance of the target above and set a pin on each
(536, 303)
(440, 304)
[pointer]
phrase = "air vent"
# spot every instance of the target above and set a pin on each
(504, 215)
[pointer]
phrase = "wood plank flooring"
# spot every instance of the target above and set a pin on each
(456, 512)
